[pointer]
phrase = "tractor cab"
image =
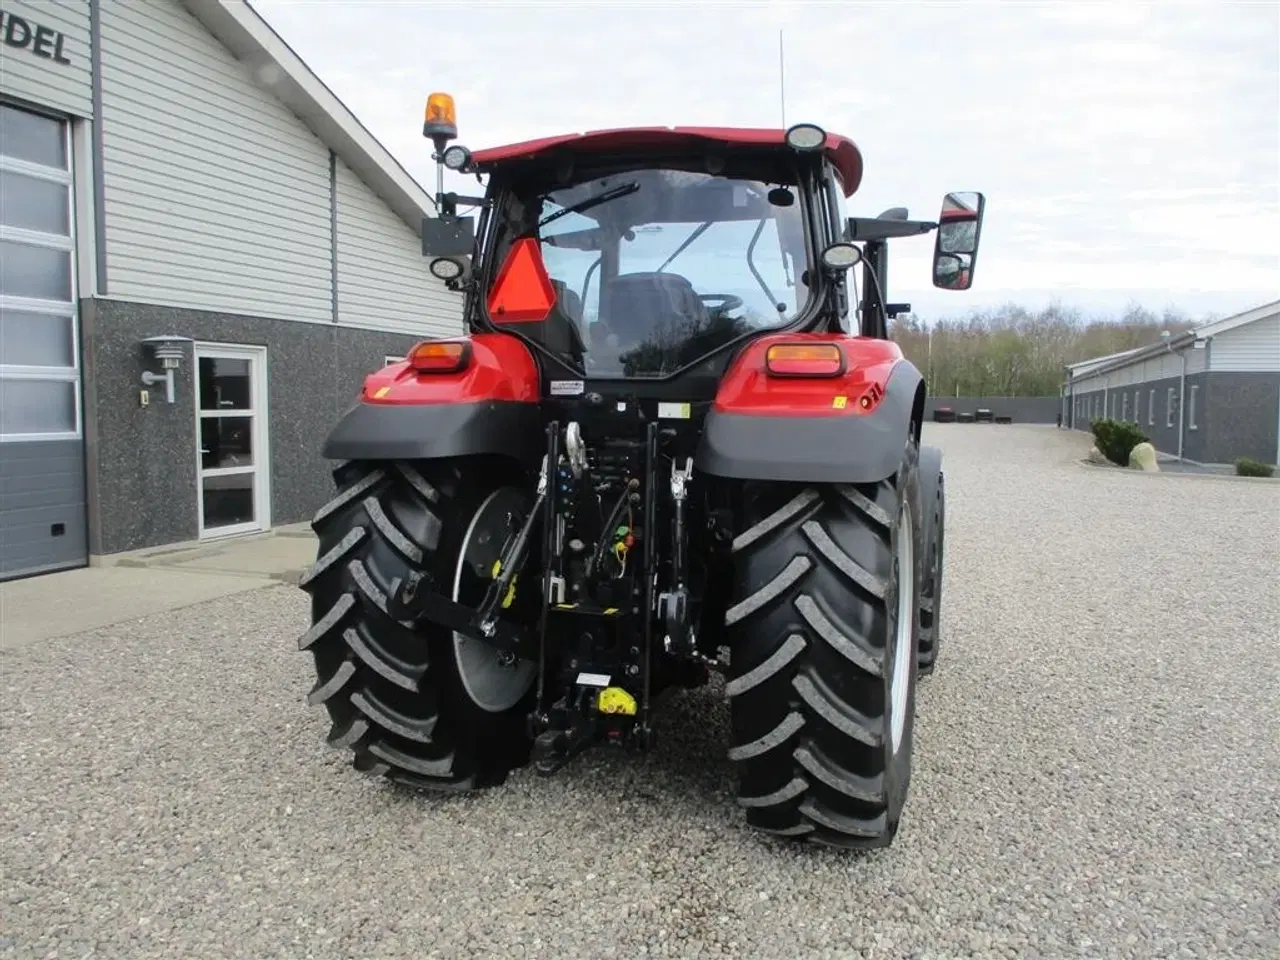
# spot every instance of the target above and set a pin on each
(644, 253)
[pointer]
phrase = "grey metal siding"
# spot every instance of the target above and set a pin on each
(217, 196)
(382, 277)
(1252, 348)
(54, 31)
(42, 507)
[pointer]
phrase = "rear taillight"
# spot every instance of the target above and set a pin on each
(804, 360)
(440, 356)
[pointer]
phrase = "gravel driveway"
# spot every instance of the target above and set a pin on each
(1097, 773)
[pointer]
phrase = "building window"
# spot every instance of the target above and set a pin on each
(1168, 408)
(1191, 409)
(1137, 402)
(1151, 408)
(1124, 414)
(39, 322)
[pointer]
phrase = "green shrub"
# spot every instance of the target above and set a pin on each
(1248, 467)
(1116, 439)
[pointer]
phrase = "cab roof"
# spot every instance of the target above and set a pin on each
(842, 152)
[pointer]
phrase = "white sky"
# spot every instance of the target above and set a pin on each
(1129, 152)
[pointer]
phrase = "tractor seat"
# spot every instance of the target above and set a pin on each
(561, 332)
(636, 305)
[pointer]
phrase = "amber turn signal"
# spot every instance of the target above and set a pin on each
(440, 356)
(804, 360)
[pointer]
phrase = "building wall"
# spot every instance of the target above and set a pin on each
(1022, 409)
(228, 221)
(383, 281)
(45, 53)
(1252, 348)
(1241, 414)
(1227, 415)
(217, 196)
(1159, 424)
(143, 477)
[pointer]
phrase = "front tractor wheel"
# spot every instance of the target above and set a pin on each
(422, 706)
(823, 632)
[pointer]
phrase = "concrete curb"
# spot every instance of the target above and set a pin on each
(1179, 474)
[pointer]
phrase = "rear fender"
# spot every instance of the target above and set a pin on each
(846, 429)
(491, 407)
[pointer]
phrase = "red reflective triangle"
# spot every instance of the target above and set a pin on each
(523, 292)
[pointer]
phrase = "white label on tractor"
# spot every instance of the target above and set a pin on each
(673, 411)
(593, 679)
(566, 388)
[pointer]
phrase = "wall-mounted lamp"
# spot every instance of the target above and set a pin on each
(168, 350)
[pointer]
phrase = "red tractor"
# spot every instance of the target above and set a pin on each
(674, 441)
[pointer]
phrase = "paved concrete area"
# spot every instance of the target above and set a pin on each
(1097, 773)
(126, 587)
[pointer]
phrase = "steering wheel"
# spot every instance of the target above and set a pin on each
(729, 301)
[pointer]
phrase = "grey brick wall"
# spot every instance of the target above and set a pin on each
(1228, 415)
(142, 460)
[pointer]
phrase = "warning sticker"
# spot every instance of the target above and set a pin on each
(840, 402)
(593, 679)
(674, 411)
(567, 388)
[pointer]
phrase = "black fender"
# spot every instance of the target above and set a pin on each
(429, 431)
(851, 448)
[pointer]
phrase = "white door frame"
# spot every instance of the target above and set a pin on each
(260, 440)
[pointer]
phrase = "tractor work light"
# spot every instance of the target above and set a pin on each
(841, 256)
(440, 356)
(441, 117)
(446, 268)
(806, 137)
(457, 157)
(804, 360)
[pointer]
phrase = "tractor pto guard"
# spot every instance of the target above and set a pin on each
(674, 441)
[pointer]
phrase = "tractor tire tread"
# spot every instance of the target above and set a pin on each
(385, 684)
(807, 674)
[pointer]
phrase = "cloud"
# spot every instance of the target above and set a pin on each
(1127, 150)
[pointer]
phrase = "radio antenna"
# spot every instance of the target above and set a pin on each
(782, 80)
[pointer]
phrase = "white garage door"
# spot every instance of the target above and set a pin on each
(42, 476)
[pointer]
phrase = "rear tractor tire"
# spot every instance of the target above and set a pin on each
(823, 630)
(419, 705)
(933, 496)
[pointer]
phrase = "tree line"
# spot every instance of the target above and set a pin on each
(1014, 352)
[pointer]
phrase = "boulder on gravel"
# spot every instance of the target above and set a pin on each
(1143, 457)
(1095, 456)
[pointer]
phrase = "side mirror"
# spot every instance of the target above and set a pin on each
(952, 271)
(955, 249)
(448, 236)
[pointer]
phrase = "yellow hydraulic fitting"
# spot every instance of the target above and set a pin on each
(616, 700)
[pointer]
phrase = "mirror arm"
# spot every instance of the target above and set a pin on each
(873, 228)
